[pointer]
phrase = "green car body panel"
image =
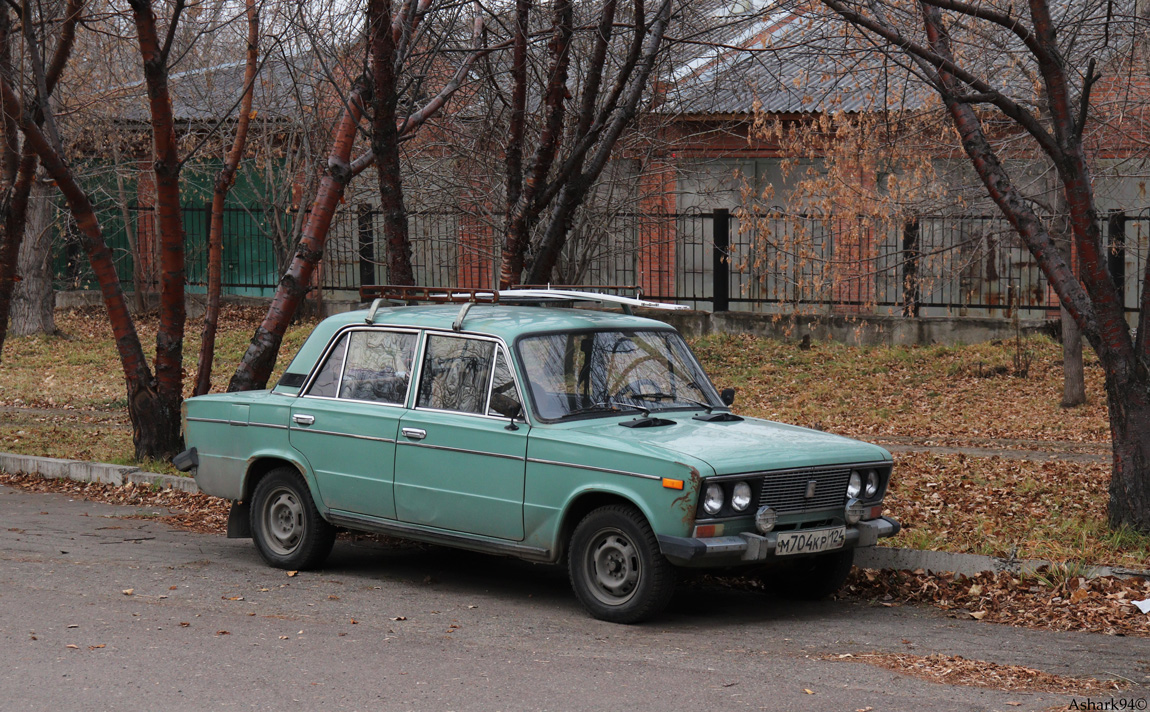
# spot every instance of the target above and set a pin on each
(510, 485)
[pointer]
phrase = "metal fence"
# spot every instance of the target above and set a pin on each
(712, 260)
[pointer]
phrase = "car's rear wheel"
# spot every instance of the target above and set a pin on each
(616, 568)
(815, 577)
(286, 526)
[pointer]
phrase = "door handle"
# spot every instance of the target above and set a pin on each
(414, 433)
(303, 418)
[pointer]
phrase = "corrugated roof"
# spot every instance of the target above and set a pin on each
(794, 63)
(282, 86)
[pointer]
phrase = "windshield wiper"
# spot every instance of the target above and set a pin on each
(657, 396)
(606, 407)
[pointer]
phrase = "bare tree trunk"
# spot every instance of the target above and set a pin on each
(15, 214)
(166, 164)
(224, 181)
(1129, 425)
(1073, 374)
(522, 215)
(385, 141)
(34, 300)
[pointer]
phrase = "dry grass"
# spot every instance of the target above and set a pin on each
(945, 393)
(79, 367)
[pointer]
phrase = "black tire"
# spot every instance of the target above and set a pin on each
(286, 526)
(816, 577)
(616, 568)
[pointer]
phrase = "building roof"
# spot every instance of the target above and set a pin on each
(788, 61)
(283, 85)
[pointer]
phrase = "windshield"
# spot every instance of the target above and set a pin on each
(608, 372)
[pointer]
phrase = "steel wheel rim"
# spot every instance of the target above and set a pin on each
(613, 567)
(284, 521)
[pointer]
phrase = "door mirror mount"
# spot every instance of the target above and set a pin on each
(516, 412)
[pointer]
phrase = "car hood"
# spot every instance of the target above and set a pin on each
(748, 445)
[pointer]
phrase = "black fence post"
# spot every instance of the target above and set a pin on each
(366, 245)
(910, 293)
(1116, 255)
(721, 290)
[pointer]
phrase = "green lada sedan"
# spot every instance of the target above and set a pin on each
(545, 432)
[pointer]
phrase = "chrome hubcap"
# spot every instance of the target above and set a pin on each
(613, 567)
(284, 521)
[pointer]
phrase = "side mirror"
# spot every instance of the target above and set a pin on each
(727, 396)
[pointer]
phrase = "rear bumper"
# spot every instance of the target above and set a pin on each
(750, 547)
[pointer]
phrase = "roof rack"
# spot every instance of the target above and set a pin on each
(551, 295)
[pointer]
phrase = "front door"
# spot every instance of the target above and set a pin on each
(346, 422)
(460, 460)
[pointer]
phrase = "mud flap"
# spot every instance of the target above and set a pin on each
(239, 521)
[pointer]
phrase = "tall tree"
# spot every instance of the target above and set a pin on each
(570, 156)
(224, 181)
(404, 27)
(19, 164)
(925, 36)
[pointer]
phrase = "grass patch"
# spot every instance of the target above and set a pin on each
(80, 367)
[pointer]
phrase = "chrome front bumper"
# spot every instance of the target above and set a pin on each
(750, 547)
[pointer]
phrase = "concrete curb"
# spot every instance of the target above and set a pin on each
(883, 557)
(83, 471)
(878, 557)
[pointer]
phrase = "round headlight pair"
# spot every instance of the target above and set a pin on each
(855, 486)
(714, 496)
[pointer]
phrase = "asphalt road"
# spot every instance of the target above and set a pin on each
(474, 633)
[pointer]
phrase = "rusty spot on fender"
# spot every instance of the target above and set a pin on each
(684, 501)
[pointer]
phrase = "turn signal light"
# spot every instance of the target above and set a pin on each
(672, 484)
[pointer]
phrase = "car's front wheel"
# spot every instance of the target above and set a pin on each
(286, 526)
(616, 568)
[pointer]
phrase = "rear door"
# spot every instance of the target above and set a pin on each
(346, 422)
(460, 462)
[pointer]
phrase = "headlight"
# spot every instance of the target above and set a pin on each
(854, 487)
(713, 499)
(871, 483)
(741, 497)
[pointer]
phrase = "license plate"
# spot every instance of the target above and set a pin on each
(810, 542)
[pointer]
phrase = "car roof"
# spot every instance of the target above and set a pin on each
(502, 321)
(505, 321)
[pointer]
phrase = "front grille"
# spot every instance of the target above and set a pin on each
(786, 492)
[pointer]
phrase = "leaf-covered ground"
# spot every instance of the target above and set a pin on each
(956, 670)
(949, 394)
(1052, 510)
(1054, 598)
